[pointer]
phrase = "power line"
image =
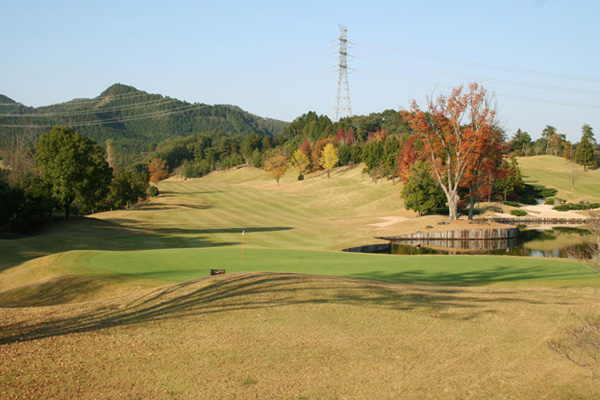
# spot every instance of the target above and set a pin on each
(502, 68)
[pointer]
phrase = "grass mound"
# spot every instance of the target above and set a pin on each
(556, 172)
(272, 335)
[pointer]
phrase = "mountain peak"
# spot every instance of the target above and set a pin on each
(6, 100)
(119, 89)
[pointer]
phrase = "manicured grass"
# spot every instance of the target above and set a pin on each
(184, 264)
(557, 172)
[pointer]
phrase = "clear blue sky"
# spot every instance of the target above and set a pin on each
(278, 58)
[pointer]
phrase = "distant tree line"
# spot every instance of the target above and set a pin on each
(586, 152)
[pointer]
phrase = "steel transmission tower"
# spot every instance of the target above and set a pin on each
(342, 107)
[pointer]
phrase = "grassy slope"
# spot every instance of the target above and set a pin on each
(285, 336)
(204, 220)
(557, 172)
(274, 335)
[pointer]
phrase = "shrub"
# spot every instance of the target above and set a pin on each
(543, 192)
(153, 191)
(512, 204)
(562, 207)
(528, 200)
(576, 207)
(300, 177)
(518, 213)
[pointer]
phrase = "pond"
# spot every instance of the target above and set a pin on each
(559, 242)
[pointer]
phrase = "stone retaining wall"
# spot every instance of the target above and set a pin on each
(465, 234)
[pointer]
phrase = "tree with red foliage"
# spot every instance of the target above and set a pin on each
(454, 129)
(484, 167)
(379, 135)
(345, 137)
(307, 149)
(317, 152)
(406, 158)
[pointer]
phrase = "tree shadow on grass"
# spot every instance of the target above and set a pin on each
(89, 233)
(483, 276)
(257, 291)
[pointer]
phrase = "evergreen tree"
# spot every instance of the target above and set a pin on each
(584, 154)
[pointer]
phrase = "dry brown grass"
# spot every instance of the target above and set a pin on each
(286, 336)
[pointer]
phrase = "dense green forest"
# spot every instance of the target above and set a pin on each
(135, 120)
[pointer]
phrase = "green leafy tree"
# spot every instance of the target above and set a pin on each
(126, 188)
(422, 194)
(510, 180)
(521, 143)
(372, 154)
(257, 159)
(584, 154)
(75, 167)
(391, 148)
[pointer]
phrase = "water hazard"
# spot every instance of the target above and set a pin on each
(554, 243)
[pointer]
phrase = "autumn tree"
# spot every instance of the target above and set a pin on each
(547, 133)
(406, 158)
(555, 143)
(317, 151)
(345, 137)
(276, 167)
(157, 168)
(452, 128)
(300, 162)
(484, 167)
(329, 158)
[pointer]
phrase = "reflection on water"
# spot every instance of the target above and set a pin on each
(556, 243)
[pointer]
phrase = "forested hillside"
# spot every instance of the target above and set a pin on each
(135, 120)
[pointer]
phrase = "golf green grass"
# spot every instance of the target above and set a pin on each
(183, 264)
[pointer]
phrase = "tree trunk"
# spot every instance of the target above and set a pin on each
(67, 211)
(471, 206)
(453, 199)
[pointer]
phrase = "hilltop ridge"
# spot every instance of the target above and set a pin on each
(136, 120)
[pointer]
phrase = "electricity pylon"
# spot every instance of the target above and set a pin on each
(341, 107)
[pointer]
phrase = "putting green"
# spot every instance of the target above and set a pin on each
(183, 264)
